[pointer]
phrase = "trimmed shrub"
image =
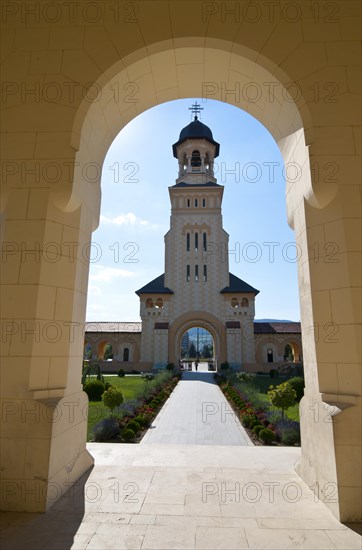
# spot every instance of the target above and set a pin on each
(112, 398)
(282, 396)
(94, 390)
(108, 385)
(288, 432)
(128, 435)
(148, 376)
(245, 376)
(144, 420)
(257, 429)
(106, 429)
(273, 373)
(297, 383)
(290, 437)
(133, 425)
(266, 436)
(128, 408)
(121, 373)
(225, 366)
(249, 420)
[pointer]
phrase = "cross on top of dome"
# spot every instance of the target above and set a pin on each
(195, 109)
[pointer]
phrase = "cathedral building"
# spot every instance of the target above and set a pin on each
(196, 288)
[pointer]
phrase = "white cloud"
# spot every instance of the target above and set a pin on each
(107, 274)
(128, 219)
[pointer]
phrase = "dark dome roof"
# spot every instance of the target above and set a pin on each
(196, 130)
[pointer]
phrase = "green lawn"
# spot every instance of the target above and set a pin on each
(96, 411)
(292, 412)
(263, 381)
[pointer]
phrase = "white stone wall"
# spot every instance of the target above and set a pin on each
(160, 357)
(233, 342)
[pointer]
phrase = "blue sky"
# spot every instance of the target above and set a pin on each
(139, 167)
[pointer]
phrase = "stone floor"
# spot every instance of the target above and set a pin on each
(222, 493)
(197, 413)
(184, 497)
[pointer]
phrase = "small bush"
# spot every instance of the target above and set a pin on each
(290, 437)
(245, 376)
(128, 435)
(108, 385)
(170, 366)
(257, 429)
(266, 436)
(106, 429)
(225, 366)
(133, 425)
(94, 390)
(273, 373)
(282, 396)
(249, 420)
(297, 383)
(144, 420)
(121, 373)
(288, 432)
(112, 398)
(148, 376)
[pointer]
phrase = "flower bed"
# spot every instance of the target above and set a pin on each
(263, 425)
(130, 421)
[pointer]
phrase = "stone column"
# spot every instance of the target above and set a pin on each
(330, 311)
(44, 287)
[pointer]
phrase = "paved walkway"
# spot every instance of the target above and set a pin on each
(196, 413)
(173, 497)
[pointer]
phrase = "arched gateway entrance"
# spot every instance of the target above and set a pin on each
(198, 319)
(67, 210)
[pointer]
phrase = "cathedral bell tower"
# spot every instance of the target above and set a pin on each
(196, 285)
(195, 151)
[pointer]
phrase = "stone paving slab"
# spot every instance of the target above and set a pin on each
(196, 413)
(155, 497)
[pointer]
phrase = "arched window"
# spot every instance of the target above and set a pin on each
(207, 161)
(195, 159)
(126, 354)
(159, 303)
(234, 302)
(288, 353)
(270, 355)
(244, 302)
(149, 302)
(204, 242)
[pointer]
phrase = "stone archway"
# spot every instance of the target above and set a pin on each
(193, 319)
(77, 134)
